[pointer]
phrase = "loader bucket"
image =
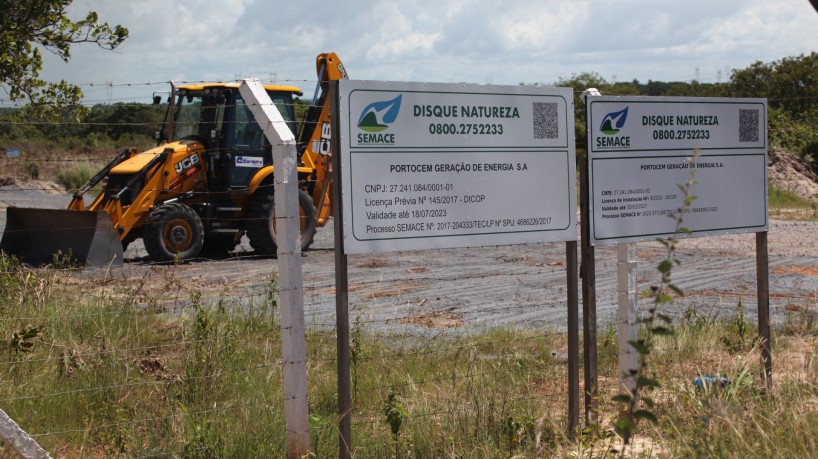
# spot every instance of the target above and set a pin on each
(35, 235)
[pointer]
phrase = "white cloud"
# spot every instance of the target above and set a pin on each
(546, 27)
(398, 36)
(440, 40)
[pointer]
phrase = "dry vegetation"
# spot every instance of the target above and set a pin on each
(106, 367)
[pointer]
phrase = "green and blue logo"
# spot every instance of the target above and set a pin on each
(614, 121)
(377, 116)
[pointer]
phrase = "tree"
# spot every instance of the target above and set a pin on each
(26, 27)
(791, 88)
(790, 84)
(118, 120)
(580, 83)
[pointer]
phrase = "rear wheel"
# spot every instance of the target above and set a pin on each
(173, 231)
(261, 226)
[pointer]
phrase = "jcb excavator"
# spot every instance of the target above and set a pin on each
(208, 182)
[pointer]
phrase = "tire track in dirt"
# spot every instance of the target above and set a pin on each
(454, 291)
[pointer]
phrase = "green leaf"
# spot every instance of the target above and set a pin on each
(676, 289)
(644, 414)
(662, 331)
(624, 427)
(622, 398)
(665, 266)
(664, 318)
(640, 347)
(32, 25)
(644, 381)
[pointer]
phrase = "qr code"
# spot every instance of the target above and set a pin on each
(546, 119)
(747, 125)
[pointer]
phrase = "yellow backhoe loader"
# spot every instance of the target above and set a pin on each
(208, 182)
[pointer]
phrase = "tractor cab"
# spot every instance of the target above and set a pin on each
(217, 116)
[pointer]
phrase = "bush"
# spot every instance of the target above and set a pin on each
(32, 170)
(77, 176)
(794, 135)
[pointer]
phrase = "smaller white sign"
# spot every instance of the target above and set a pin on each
(12, 152)
(249, 161)
(638, 150)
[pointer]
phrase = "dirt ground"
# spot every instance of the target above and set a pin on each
(453, 291)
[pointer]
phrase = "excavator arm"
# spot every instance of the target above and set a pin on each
(316, 134)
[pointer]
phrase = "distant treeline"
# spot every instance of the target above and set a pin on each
(88, 128)
(790, 86)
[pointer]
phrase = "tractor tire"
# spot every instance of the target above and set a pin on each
(219, 245)
(261, 222)
(173, 231)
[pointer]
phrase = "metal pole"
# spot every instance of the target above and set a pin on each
(763, 281)
(573, 337)
(341, 292)
(588, 272)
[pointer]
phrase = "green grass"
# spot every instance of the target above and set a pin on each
(786, 205)
(76, 176)
(103, 368)
(779, 198)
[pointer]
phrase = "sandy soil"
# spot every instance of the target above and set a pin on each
(458, 290)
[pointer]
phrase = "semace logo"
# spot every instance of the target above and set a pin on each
(376, 118)
(612, 123)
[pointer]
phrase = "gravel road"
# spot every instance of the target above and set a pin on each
(459, 290)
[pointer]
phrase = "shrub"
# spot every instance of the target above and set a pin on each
(32, 170)
(77, 176)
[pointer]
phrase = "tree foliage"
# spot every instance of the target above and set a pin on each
(120, 120)
(29, 26)
(790, 86)
(585, 80)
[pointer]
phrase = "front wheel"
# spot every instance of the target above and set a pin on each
(173, 231)
(261, 225)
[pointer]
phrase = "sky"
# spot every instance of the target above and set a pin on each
(472, 41)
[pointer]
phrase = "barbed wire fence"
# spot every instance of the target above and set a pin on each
(398, 331)
(158, 360)
(388, 307)
(513, 378)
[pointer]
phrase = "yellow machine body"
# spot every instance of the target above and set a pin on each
(208, 183)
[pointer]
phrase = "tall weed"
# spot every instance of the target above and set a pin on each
(77, 176)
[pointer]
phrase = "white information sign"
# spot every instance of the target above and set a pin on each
(429, 165)
(638, 149)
